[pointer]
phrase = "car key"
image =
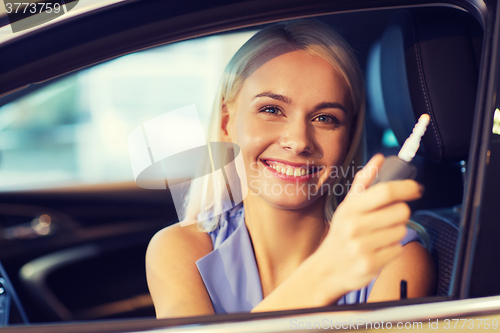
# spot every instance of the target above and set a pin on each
(399, 167)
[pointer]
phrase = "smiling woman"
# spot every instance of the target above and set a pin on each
(292, 99)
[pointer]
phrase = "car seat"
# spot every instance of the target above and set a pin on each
(427, 61)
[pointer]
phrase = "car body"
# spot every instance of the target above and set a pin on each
(75, 225)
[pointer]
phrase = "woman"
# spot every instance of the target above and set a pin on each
(292, 99)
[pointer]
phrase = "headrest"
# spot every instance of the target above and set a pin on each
(429, 63)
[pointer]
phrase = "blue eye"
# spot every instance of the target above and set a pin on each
(271, 110)
(327, 119)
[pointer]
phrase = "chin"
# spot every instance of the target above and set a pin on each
(291, 202)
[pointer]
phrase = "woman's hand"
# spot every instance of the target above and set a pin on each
(366, 230)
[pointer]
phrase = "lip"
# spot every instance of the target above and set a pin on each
(286, 177)
(264, 160)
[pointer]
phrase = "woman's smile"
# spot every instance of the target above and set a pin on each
(291, 171)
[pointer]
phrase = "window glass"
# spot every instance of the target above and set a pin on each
(75, 130)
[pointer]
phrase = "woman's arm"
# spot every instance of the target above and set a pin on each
(304, 290)
(174, 282)
(309, 286)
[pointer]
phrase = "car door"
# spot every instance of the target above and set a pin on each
(75, 224)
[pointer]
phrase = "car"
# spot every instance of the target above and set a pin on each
(75, 221)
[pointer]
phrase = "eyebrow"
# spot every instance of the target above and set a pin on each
(278, 97)
(330, 105)
(287, 100)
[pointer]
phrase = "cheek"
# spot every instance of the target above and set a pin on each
(338, 147)
(252, 137)
(346, 142)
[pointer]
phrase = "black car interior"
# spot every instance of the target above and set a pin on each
(416, 60)
(429, 63)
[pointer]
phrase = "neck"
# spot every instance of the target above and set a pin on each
(282, 238)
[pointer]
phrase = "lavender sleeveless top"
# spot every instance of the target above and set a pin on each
(230, 271)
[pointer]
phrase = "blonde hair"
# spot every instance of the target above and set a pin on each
(307, 35)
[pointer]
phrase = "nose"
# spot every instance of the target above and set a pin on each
(297, 137)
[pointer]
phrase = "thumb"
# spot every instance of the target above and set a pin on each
(365, 176)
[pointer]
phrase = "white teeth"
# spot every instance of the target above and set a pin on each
(290, 171)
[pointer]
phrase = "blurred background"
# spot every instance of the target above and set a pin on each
(75, 130)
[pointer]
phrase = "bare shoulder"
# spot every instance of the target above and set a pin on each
(173, 278)
(188, 240)
(415, 265)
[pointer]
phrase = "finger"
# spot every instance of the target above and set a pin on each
(385, 217)
(386, 193)
(365, 176)
(382, 238)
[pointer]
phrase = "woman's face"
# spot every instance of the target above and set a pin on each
(291, 121)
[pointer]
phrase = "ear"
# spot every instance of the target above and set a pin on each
(224, 124)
